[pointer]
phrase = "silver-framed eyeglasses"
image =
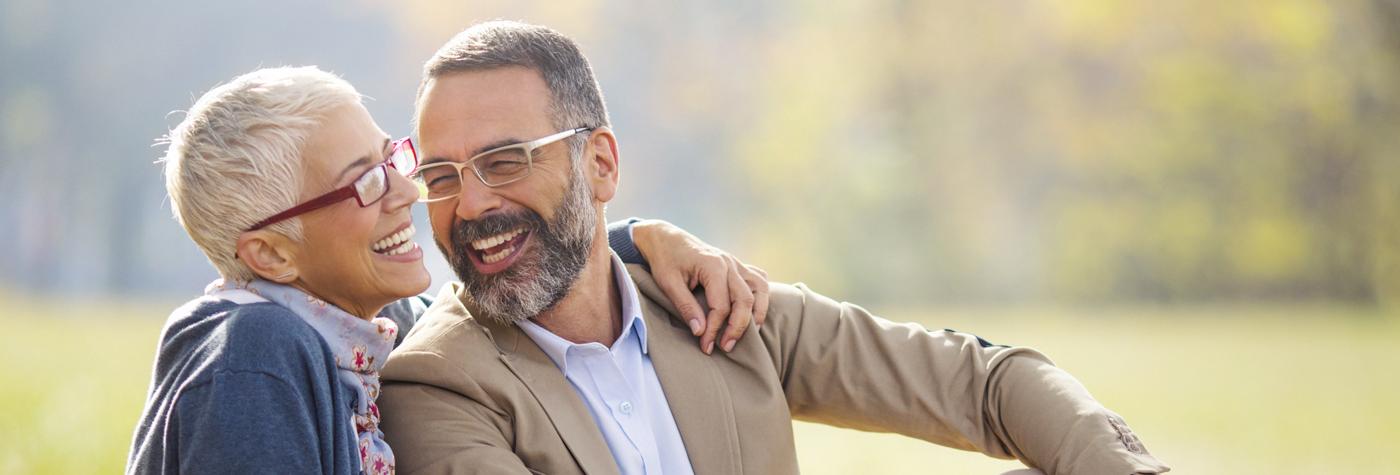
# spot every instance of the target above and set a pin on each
(496, 167)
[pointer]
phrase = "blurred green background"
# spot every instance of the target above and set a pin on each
(1194, 206)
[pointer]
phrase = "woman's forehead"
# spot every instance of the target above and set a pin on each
(346, 139)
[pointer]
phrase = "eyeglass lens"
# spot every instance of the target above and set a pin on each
(372, 185)
(405, 157)
(494, 169)
(502, 166)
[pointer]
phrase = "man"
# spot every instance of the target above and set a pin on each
(552, 357)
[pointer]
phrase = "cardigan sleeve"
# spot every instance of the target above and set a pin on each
(246, 422)
(620, 240)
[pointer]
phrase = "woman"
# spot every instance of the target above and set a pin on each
(301, 203)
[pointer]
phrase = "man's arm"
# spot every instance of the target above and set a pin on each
(842, 366)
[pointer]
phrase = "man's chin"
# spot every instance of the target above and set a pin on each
(489, 296)
(502, 309)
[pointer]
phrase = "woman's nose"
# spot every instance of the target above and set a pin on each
(402, 191)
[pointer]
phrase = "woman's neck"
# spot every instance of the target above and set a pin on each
(363, 310)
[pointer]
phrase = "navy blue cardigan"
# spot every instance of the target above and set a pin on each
(253, 389)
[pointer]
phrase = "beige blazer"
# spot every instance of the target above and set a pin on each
(462, 395)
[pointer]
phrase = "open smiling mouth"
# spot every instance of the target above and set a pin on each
(400, 242)
(495, 249)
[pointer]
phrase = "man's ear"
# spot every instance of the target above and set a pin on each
(600, 162)
(268, 254)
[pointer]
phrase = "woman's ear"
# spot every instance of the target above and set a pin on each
(601, 163)
(268, 254)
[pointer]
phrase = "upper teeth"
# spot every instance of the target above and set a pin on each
(493, 241)
(394, 240)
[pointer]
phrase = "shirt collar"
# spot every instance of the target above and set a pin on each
(631, 303)
(632, 322)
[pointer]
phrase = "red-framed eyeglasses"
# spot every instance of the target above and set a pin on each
(368, 189)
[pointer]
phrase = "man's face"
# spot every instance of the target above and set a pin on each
(517, 247)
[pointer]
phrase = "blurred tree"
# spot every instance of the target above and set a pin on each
(886, 150)
(1080, 150)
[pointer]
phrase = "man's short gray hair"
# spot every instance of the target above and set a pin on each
(576, 100)
(236, 158)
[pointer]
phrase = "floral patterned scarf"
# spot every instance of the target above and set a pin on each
(360, 348)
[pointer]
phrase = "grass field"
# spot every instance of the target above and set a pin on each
(1282, 390)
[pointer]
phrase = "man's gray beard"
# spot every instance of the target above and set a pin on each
(542, 276)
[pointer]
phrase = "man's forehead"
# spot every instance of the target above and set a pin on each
(461, 109)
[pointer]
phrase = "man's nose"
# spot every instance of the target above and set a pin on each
(475, 199)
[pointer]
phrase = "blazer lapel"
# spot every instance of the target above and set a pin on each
(695, 390)
(565, 410)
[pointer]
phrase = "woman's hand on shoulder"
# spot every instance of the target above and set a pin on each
(735, 292)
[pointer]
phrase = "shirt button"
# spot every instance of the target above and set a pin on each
(625, 407)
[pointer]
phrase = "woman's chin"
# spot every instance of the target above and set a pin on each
(405, 273)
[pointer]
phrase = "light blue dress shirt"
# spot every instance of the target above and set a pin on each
(620, 389)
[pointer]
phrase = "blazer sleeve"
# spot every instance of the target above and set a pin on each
(246, 422)
(436, 430)
(842, 366)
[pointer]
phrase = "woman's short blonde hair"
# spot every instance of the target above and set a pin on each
(236, 157)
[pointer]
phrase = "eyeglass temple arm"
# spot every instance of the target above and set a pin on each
(534, 144)
(321, 202)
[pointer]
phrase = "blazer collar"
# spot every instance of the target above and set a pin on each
(566, 411)
(695, 389)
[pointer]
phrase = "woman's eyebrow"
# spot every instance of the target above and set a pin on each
(362, 161)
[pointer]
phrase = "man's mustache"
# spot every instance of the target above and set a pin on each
(464, 232)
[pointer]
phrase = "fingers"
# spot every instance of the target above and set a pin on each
(676, 288)
(758, 282)
(717, 290)
(741, 305)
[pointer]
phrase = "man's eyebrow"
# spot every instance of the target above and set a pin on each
(495, 145)
(432, 160)
(479, 150)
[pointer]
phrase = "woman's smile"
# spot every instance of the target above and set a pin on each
(399, 246)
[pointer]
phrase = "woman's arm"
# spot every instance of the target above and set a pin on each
(246, 422)
(680, 262)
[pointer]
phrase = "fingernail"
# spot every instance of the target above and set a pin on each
(729, 346)
(709, 347)
(695, 327)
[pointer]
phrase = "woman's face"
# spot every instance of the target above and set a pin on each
(349, 255)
